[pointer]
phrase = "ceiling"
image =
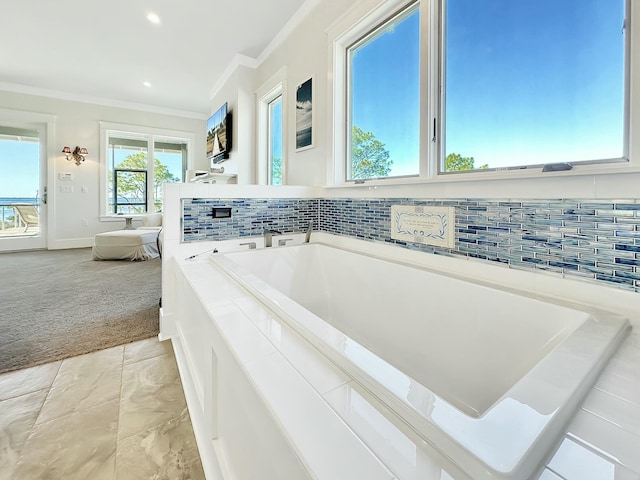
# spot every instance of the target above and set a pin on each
(107, 50)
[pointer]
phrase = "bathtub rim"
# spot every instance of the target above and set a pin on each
(475, 463)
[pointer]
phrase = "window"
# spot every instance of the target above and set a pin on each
(136, 167)
(528, 83)
(271, 125)
(384, 99)
(275, 141)
(435, 88)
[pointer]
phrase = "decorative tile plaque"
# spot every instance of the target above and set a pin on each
(423, 224)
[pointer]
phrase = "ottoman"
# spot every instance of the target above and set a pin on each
(140, 244)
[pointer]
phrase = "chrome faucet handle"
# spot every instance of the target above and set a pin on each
(283, 241)
(252, 245)
(307, 236)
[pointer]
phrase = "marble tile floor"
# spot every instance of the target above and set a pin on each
(116, 414)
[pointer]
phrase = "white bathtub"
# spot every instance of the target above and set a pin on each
(488, 377)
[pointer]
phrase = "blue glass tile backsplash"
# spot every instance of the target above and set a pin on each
(595, 241)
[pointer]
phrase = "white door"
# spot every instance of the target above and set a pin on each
(23, 195)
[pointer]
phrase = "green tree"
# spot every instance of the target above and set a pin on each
(456, 162)
(276, 171)
(369, 158)
(132, 186)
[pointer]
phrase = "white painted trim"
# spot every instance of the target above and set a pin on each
(238, 60)
(206, 447)
(293, 22)
(356, 22)
(108, 102)
(267, 92)
(25, 117)
(62, 244)
(149, 133)
(250, 62)
(45, 125)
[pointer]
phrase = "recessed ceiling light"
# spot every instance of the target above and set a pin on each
(153, 18)
(146, 84)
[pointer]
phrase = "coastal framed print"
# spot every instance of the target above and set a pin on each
(304, 115)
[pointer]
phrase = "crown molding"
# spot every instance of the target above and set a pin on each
(250, 62)
(107, 102)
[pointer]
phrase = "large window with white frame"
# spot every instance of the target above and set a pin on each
(451, 86)
(136, 165)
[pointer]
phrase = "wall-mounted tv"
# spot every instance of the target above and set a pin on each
(219, 135)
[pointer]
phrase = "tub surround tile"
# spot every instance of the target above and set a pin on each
(616, 410)
(90, 379)
(574, 461)
(549, 475)
(151, 395)
(166, 451)
(243, 337)
(620, 377)
(317, 369)
(78, 446)
(301, 410)
(401, 450)
(601, 435)
(16, 420)
(255, 312)
(144, 349)
(13, 384)
(210, 285)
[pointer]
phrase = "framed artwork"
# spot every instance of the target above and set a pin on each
(304, 115)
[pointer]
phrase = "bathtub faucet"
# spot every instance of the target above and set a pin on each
(268, 236)
(307, 237)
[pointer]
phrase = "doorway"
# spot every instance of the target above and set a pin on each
(23, 195)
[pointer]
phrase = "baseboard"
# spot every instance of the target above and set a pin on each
(167, 325)
(70, 243)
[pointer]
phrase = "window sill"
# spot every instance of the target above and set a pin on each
(506, 175)
(120, 218)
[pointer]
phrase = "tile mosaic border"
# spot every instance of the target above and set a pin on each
(592, 240)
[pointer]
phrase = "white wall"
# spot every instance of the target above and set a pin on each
(306, 52)
(77, 123)
(238, 93)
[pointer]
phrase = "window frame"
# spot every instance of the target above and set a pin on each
(152, 136)
(273, 88)
(270, 143)
(115, 189)
(359, 42)
(358, 22)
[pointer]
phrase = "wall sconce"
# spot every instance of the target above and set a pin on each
(77, 154)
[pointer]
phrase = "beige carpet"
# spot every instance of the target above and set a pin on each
(60, 303)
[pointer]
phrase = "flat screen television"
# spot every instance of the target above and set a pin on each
(219, 135)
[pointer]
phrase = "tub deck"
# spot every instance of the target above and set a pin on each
(518, 375)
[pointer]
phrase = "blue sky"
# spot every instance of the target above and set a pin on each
(526, 83)
(19, 169)
(276, 134)
(387, 71)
